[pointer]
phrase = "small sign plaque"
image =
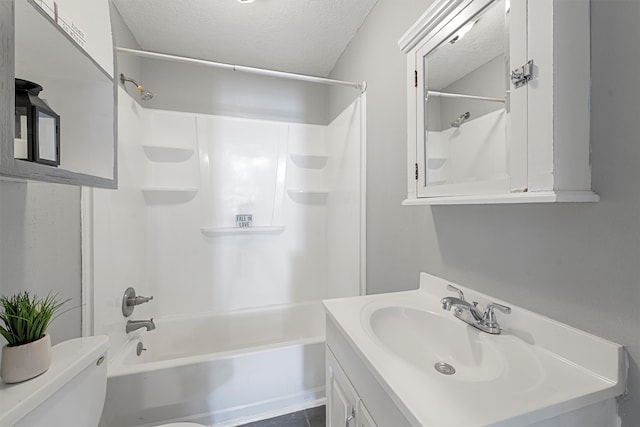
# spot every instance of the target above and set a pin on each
(244, 220)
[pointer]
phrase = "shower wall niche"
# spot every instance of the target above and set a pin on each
(170, 229)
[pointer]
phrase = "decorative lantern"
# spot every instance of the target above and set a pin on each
(37, 126)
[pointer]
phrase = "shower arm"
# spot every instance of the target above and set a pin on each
(459, 95)
(124, 79)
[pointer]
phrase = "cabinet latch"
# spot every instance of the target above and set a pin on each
(521, 75)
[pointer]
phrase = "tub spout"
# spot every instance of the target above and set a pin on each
(132, 325)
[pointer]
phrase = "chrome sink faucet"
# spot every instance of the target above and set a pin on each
(132, 325)
(469, 313)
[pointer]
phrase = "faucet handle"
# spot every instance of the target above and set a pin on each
(137, 300)
(459, 291)
(489, 317)
(502, 308)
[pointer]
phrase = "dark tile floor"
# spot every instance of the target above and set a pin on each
(312, 417)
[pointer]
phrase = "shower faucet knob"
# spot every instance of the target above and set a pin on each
(137, 300)
(130, 300)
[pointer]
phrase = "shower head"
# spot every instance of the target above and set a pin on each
(145, 95)
(460, 119)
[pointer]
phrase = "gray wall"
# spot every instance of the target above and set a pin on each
(200, 89)
(40, 247)
(396, 235)
(129, 65)
(577, 263)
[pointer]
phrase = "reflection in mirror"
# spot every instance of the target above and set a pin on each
(465, 108)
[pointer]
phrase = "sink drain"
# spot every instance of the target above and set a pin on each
(445, 368)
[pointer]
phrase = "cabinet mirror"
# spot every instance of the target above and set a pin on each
(465, 109)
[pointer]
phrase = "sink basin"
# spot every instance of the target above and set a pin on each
(424, 339)
(536, 369)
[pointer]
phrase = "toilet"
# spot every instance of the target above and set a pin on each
(70, 394)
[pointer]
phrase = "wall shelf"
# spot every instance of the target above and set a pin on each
(76, 87)
(309, 197)
(168, 195)
(308, 161)
(230, 231)
(167, 154)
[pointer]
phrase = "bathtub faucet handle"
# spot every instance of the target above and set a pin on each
(130, 300)
(137, 300)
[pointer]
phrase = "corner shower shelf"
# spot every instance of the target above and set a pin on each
(168, 195)
(308, 161)
(316, 197)
(228, 231)
(167, 154)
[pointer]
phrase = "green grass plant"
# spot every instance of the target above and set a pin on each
(26, 317)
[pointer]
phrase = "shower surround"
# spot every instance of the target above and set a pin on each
(170, 229)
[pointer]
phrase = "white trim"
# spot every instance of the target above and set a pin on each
(363, 194)
(86, 295)
(529, 197)
(430, 19)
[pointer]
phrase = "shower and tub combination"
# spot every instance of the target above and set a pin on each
(239, 328)
(219, 368)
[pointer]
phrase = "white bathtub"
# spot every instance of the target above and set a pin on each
(219, 369)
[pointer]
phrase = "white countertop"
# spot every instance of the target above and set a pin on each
(549, 368)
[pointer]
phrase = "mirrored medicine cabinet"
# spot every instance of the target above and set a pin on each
(498, 102)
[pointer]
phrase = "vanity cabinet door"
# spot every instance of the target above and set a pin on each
(341, 396)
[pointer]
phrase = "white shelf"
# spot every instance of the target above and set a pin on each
(309, 161)
(168, 195)
(76, 87)
(309, 197)
(533, 197)
(230, 231)
(167, 154)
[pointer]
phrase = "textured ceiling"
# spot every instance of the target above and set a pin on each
(300, 36)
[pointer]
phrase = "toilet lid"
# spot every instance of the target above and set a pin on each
(181, 425)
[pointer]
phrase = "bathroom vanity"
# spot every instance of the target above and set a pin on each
(400, 359)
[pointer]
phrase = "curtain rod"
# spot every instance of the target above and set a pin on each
(253, 70)
(459, 95)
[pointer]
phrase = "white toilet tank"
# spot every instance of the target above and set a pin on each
(70, 394)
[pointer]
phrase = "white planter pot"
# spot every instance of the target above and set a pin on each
(26, 361)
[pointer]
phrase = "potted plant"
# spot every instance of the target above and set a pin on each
(24, 319)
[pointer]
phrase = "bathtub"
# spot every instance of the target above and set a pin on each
(219, 369)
